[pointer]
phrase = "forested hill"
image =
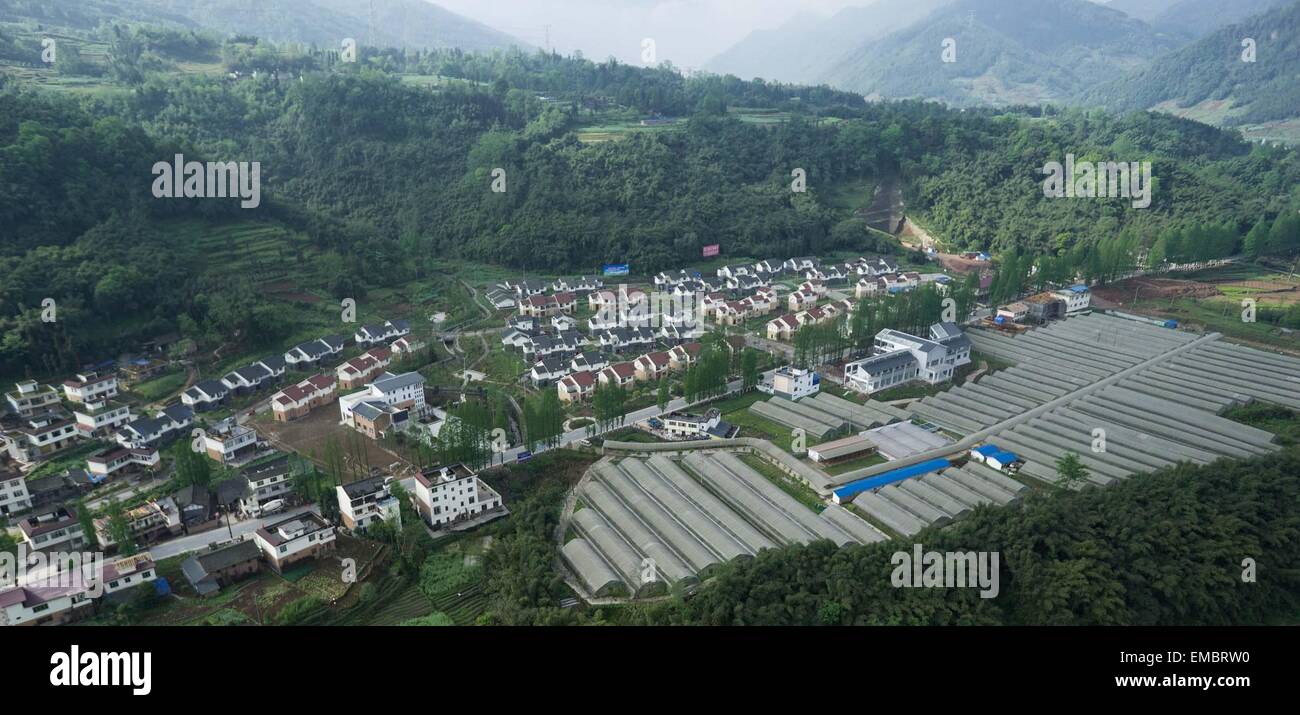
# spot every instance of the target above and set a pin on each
(415, 24)
(1210, 79)
(1006, 52)
(1197, 18)
(375, 173)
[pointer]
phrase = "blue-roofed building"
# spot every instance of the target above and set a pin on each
(852, 489)
(996, 457)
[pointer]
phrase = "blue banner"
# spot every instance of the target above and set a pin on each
(616, 269)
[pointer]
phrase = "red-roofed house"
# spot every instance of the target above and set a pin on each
(620, 373)
(651, 365)
(296, 401)
(684, 355)
(363, 368)
(576, 387)
(782, 328)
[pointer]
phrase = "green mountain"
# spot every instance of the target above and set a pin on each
(325, 23)
(1198, 18)
(1209, 81)
(1007, 52)
(801, 49)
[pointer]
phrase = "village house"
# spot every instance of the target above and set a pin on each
(445, 495)
(14, 496)
(100, 419)
(299, 400)
(799, 300)
(651, 366)
(548, 370)
(362, 369)
(404, 391)
(264, 482)
(710, 425)
(297, 538)
(306, 356)
(620, 373)
(247, 379)
(149, 522)
(205, 395)
(210, 571)
(229, 443)
(548, 305)
(365, 502)
(683, 356)
(169, 423)
(274, 364)
(384, 332)
(74, 596)
(57, 530)
(30, 397)
(1078, 299)
(39, 437)
(90, 387)
(783, 328)
(576, 387)
(588, 361)
(769, 267)
(1013, 312)
(110, 460)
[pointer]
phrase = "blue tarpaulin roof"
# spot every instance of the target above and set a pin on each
(854, 488)
(985, 450)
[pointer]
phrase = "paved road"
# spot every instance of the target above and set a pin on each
(195, 542)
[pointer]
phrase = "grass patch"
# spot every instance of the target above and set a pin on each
(159, 388)
(788, 484)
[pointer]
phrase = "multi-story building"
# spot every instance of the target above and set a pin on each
(294, 539)
(14, 496)
(365, 502)
(272, 479)
(57, 530)
(793, 383)
(402, 392)
(229, 443)
(39, 436)
(100, 418)
(30, 397)
(90, 387)
(447, 494)
(108, 461)
(900, 358)
(148, 523)
(1077, 299)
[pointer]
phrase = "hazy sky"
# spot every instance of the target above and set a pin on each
(686, 32)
